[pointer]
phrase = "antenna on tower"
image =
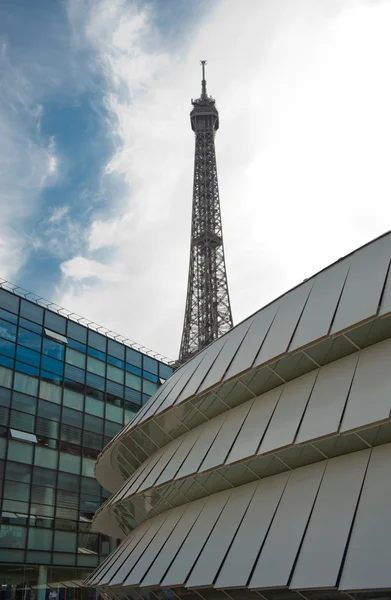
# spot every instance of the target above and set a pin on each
(203, 83)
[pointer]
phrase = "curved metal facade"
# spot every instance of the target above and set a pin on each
(264, 462)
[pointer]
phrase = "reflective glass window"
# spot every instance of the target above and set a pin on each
(112, 399)
(40, 539)
(72, 417)
(133, 381)
(30, 339)
(96, 353)
(114, 413)
(5, 397)
(111, 429)
(77, 332)
(132, 369)
(69, 463)
(133, 357)
(150, 376)
(53, 349)
(24, 403)
(5, 377)
(96, 340)
(115, 349)
(7, 316)
(115, 362)
(7, 348)
(99, 395)
(7, 330)
(20, 452)
(12, 536)
(149, 387)
(95, 381)
(18, 472)
(94, 407)
(27, 369)
(96, 366)
(55, 322)
(45, 457)
(28, 356)
(50, 392)
(88, 467)
(92, 423)
(145, 398)
(151, 365)
(46, 429)
(23, 422)
(30, 325)
(165, 371)
(52, 365)
(14, 490)
(115, 374)
(133, 395)
(51, 377)
(68, 481)
(26, 384)
(115, 388)
(75, 373)
(64, 541)
(73, 357)
(77, 345)
(5, 361)
(31, 311)
(44, 477)
(49, 410)
(92, 440)
(73, 399)
(129, 414)
(9, 301)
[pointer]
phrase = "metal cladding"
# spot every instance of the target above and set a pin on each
(263, 465)
(208, 310)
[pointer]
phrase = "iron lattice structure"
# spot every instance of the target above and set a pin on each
(208, 310)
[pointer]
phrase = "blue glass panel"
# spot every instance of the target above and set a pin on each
(151, 377)
(6, 362)
(116, 362)
(133, 369)
(30, 325)
(28, 356)
(165, 371)
(77, 345)
(145, 398)
(133, 395)
(115, 388)
(75, 373)
(7, 348)
(96, 353)
(9, 301)
(52, 365)
(29, 339)
(4, 314)
(150, 364)
(97, 341)
(51, 377)
(28, 369)
(116, 349)
(95, 381)
(133, 357)
(7, 330)
(53, 349)
(31, 311)
(55, 322)
(77, 332)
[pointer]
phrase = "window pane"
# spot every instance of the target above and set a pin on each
(6, 362)
(93, 423)
(150, 376)
(27, 369)
(20, 452)
(115, 389)
(75, 358)
(5, 377)
(7, 330)
(77, 332)
(9, 301)
(50, 392)
(5, 397)
(7, 316)
(133, 381)
(111, 429)
(115, 374)
(77, 345)
(25, 403)
(44, 477)
(14, 490)
(26, 384)
(97, 341)
(12, 536)
(73, 399)
(7, 348)
(96, 366)
(48, 410)
(114, 413)
(75, 374)
(65, 541)
(22, 422)
(52, 365)
(96, 353)
(95, 381)
(53, 349)
(116, 362)
(132, 369)
(150, 364)
(44, 457)
(55, 322)
(66, 481)
(116, 349)
(40, 539)
(133, 357)
(31, 311)
(27, 356)
(88, 467)
(30, 325)
(165, 371)
(29, 339)
(149, 387)
(94, 407)
(69, 463)
(133, 395)
(18, 472)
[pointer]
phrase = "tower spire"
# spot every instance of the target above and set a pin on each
(208, 309)
(203, 82)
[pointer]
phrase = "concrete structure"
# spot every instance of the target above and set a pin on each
(263, 465)
(67, 386)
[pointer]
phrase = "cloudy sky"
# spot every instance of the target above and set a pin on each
(96, 151)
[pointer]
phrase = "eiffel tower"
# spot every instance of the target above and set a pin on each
(208, 310)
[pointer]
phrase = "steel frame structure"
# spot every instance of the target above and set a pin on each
(208, 311)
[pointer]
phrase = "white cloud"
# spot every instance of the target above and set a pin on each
(303, 152)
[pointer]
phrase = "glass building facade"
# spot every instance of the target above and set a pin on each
(65, 391)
